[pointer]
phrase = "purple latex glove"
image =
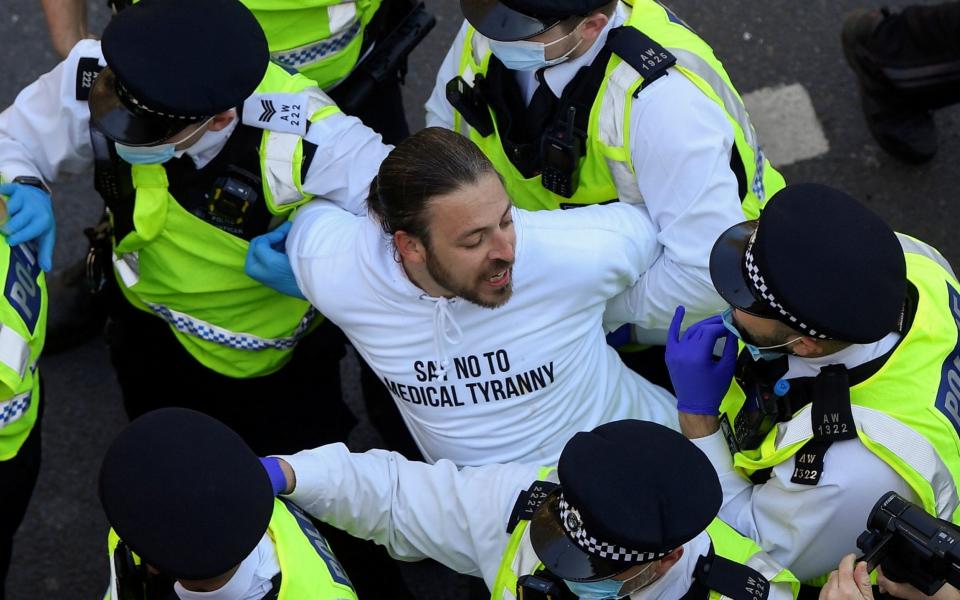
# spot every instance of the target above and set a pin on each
(277, 479)
(699, 379)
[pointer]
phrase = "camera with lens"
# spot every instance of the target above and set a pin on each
(911, 545)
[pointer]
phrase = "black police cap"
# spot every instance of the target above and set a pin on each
(818, 261)
(512, 20)
(630, 492)
(173, 63)
(185, 493)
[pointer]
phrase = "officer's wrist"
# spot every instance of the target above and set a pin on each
(289, 475)
(698, 426)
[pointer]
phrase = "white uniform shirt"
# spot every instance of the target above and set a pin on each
(457, 517)
(803, 527)
(524, 377)
(680, 146)
(45, 133)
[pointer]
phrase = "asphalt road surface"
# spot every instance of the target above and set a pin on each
(783, 55)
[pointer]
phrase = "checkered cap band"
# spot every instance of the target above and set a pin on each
(761, 288)
(573, 525)
(125, 94)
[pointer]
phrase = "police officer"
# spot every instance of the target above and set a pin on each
(193, 516)
(907, 65)
(323, 39)
(629, 511)
(847, 383)
(199, 144)
(193, 162)
(588, 101)
(23, 314)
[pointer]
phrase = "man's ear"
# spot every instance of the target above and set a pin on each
(410, 248)
(592, 27)
(807, 346)
(221, 120)
(668, 561)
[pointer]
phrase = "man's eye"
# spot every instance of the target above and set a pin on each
(473, 244)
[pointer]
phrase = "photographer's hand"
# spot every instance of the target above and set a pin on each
(848, 582)
(908, 592)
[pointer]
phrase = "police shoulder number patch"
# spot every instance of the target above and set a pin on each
(283, 113)
(87, 70)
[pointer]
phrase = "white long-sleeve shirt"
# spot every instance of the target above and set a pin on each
(680, 145)
(46, 133)
(523, 377)
(457, 517)
(808, 528)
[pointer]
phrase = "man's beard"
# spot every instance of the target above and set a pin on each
(445, 279)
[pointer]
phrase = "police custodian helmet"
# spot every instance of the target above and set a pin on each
(818, 261)
(185, 493)
(172, 63)
(630, 493)
(512, 20)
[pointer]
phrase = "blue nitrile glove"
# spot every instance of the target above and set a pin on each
(268, 263)
(278, 481)
(30, 217)
(699, 379)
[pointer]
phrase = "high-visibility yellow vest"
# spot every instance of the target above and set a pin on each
(319, 38)
(23, 325)
(606, 170)
(908, 412)
(520, 559)
(308, 568)
(191, 273)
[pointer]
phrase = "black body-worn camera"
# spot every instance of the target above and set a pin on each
(911, 545)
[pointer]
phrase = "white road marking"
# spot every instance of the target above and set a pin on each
(786, 124)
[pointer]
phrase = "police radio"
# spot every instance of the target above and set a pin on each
(560, 152)
(911, 545)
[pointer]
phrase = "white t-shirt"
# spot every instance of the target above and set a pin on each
(524, 377)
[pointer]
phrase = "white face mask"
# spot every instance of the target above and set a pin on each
(530, 56)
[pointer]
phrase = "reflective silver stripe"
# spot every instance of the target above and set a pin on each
(14, 350)
(912, 448)
(278, 151)
(13, 409)
(612, 131)
(612, 126)
(733, 104)
(314, 52)
(128, 267)
(731, 101)
(184, 323)
(914, 246)
(763, 563)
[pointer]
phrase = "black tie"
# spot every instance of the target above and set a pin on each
(542, 106)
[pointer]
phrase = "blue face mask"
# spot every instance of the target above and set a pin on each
(595, 590)
(146, 155)
(529, 56)
(155, 155)
(756, 352)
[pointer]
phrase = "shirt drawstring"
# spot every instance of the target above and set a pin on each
(445, 331)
